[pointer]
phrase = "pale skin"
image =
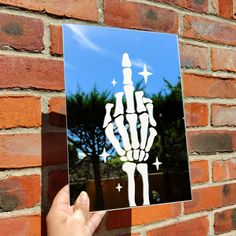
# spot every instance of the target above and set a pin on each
(66, 220)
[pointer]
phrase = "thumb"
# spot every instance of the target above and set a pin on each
(81, 208)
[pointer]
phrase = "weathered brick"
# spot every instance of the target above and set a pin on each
(22, 111)
(21, 225)
(199, 226)
(118, 219)
(56, 47)
(224, 170)
(210, 198)
(126, 14)
(19, 192)
(223, 59)
(204, 199)
(196, 114)
(193, 56)
(197, 5)
(56, 180)
(228, 194)
(210, 142)
(20, 150)
(28, 72)
(146, 215)
(209, 30)
(54, 149)
(199, 171)
(223, 115)
(25, 150)
(57, 109)
(85, 10)
(21, 32)
(234, 9)
(225, 221)
(208, 86)
(225, 8)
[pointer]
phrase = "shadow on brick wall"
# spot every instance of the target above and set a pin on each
(55, 176)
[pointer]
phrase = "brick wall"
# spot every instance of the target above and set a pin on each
(32, 120)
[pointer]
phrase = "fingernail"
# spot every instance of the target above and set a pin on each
(83, 197)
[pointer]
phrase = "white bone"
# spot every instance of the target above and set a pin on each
(125, 60)
(152, 135)
(119, 108)
(111, 136)
(129, 168)
(141, 155)
(129, 94)
(147, 100)
(139, 101)
(136, 155)
(127, 76)
(146, 156)
(130, 155)
(123, 132)
(150, 113)
(107, 118)
(124, 158)
(132, 120)
(143, 170)
(144, 129)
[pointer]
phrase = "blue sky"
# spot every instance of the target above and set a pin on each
(93, 55)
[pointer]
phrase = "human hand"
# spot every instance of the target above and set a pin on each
(66, 220)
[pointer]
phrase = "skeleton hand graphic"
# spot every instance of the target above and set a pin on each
(135, 124)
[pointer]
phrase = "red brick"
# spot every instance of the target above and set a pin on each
(199, 171)
(210, 142)
(28, 72)
(57, 109)
(21, 226)
(54, 149)
(21, 32)
(199, 5)
(56, 47)
(210, 198)
(209, 30)
(193, 56)
(204, 199)
(234, 9)
(146, 215)
(25, 150)
(56, 180)
(22, 111)
(85, 10)
(223, 115)
(223, 59)
(228, 194)
(225, 221)
(119, 219)
(224, 170)
(125, 14)
(196, 114)
(199, 226)
(20, 192)
(208, 86)
(225, 8)
(20, 150)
